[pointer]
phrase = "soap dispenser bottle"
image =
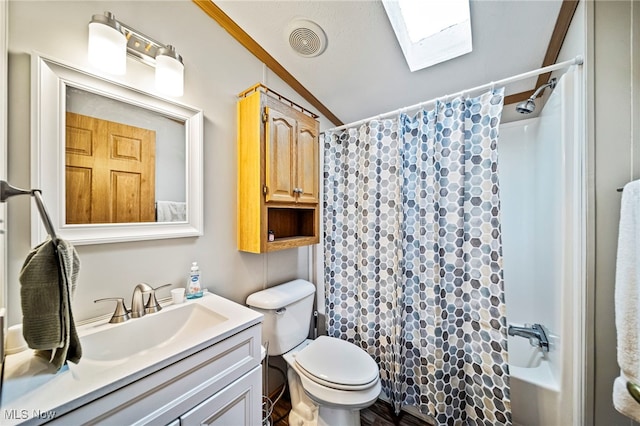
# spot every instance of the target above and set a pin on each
(194, 289)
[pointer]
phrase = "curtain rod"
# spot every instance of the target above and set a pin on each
(560, 65)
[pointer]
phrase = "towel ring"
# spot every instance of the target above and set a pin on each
(7, 191)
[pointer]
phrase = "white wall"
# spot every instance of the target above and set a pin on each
(614, 30)
(531, 172)
(217, 68)
(535, 195)
(517, 193)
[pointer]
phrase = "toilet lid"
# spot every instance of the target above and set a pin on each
(338, 362)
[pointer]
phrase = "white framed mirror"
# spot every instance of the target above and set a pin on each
(113, 163)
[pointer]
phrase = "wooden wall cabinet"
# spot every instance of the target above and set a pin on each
(278, 172)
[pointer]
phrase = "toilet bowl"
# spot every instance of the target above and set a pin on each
(335, 372)
(330, 380)
(332, 399)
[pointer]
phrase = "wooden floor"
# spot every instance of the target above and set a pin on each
(379, 414)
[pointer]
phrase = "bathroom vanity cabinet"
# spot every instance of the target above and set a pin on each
(219, 385)
(278, 172)
(197, 362)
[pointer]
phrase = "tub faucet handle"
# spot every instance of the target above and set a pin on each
(535, 333)
(541, 336)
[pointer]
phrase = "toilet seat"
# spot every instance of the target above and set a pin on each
(329, 396)
(337, 364)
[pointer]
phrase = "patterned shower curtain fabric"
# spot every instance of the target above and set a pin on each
(362, 218)
(413, 257)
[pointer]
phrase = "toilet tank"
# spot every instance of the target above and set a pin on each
(287, 310)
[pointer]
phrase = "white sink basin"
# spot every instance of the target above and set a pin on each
(115, 355)
(169, 327)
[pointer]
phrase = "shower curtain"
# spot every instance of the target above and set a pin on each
(413, 256)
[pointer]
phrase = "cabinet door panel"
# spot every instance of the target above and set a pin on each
(236, 405)
(279, 175)
(170, 392)
(307, 162)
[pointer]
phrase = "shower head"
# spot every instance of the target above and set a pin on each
(528, 106)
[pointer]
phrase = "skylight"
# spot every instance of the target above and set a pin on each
(430, 31)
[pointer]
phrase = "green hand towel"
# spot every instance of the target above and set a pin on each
(48, 282)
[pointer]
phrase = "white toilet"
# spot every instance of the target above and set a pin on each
(330, 380)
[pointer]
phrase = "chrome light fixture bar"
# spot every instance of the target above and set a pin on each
(110, 40)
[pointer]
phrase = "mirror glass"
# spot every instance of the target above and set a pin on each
(113, 163)
(123, 163)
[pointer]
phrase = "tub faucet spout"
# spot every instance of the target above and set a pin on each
(536, 331)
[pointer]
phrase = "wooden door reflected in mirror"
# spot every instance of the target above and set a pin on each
(110, 171)
(123, 163)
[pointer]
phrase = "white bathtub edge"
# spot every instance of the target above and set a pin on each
(539, 376)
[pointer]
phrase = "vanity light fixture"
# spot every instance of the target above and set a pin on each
(107, 44)
(110, 40)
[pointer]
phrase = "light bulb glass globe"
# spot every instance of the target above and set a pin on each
(169, 75)
(107, 48)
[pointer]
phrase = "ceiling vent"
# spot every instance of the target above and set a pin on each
(306, 38)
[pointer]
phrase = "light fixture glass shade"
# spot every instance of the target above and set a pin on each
(107, 45)
(169, 72)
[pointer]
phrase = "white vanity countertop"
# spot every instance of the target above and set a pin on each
(32, 392)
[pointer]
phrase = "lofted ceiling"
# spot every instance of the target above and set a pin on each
(363, 73)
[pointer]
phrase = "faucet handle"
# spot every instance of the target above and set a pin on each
(543, 339)
(121, 314)
(152, 305)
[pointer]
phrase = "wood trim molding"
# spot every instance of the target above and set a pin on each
(252, 46)
(567, 10)
(518, 97)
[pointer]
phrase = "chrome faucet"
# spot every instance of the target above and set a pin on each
(137, 301)
(534, 332)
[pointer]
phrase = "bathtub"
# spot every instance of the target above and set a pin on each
(535, 388)
(541, 194)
